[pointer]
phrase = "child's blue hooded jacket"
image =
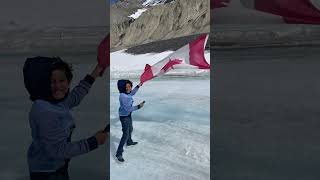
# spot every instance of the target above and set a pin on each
(125, 99)
(51, 127)
(51, 121)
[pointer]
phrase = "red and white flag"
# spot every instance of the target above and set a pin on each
(191, 55)
(291, 11)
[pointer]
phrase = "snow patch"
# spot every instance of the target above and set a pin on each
(137, 13)
(153, 2)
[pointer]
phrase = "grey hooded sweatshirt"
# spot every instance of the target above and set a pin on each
(52, 125)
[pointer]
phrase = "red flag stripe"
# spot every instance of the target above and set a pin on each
(292, 11)
(196, 53)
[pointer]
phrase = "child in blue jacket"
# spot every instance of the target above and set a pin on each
(125, 110)
(50, 119)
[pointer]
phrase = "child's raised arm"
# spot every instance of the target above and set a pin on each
(134, 91)
(82, 89)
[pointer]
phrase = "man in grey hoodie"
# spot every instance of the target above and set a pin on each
(50, 119)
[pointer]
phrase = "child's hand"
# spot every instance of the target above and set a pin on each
(140, 84)
(101, 137)
(98, 71)
(141, 104)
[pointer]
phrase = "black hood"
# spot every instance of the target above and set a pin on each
(122, 85)
(36, 73)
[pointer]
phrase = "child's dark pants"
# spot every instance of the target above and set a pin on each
(60, 174)
(126, 122)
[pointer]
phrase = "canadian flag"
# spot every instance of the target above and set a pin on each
(190, 56)
(103, 56)
(291, 11)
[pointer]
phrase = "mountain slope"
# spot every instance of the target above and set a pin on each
(165, 21)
